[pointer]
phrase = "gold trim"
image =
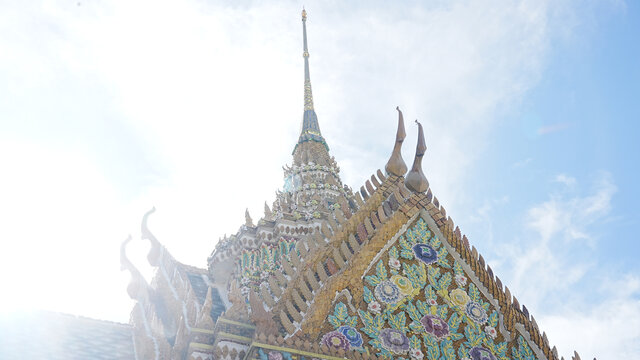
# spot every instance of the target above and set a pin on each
(294, 351)
(201, 346)
(204, 331)
(248, 326)
(235, 337)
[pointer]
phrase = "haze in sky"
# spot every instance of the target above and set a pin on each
(531, 112)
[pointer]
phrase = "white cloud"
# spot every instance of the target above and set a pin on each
(569, 218)
(522, 163)
(60, 236)
(610, 329)
(556, 272)
(565, 179)
(483, 216)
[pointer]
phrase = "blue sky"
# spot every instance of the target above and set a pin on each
(572, 142)
(530, 110)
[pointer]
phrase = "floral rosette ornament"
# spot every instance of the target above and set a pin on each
(491, 331)
(394, 263)
(461, 280)
(425, 253)
(352, 335)
(274, 355)
(403, 284)
(387, 292)
(435, 326)
(432, 302)
(476, 312)
(459, 297)
(336, 339)
(480, 353)
(394, 340)
(416, 354)
(374, 307)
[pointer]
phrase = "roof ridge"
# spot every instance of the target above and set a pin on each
(51, 313)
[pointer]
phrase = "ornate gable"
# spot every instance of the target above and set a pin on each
(418, 298)
(400, 281)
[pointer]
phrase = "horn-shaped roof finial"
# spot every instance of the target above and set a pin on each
(415, 179)
(247, 219)
(155, 253)
(396, 165)
(138, 287)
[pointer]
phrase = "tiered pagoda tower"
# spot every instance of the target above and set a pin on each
(327, 273)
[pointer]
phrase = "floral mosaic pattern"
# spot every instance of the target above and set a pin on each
(336, 339)
(420, 304)
(387, 292)
(394, 340)
(352, 335)
(435, 326)
(273, 355)
(346, 336)
(425, 253)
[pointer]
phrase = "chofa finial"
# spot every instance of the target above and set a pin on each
(415, 179)
(138, 287)
(155, 252)
(247, 219)
(396, 165)
(268, 214)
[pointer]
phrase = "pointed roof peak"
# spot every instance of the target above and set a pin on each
(310, 129)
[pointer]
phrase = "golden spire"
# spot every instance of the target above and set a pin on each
(308, 96)
(310, 128)
(415, 179)
(396, 165)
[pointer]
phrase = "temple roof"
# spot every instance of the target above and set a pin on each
(200, 287)
(398, 279)
(53, 336)
(382, 273)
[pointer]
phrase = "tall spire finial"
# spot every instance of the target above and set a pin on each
(308, 96)
(310, 128)
(415, 179)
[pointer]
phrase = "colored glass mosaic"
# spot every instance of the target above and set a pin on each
(419, 303)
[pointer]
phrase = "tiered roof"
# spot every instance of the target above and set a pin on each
(328, 273)
(54, 336)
